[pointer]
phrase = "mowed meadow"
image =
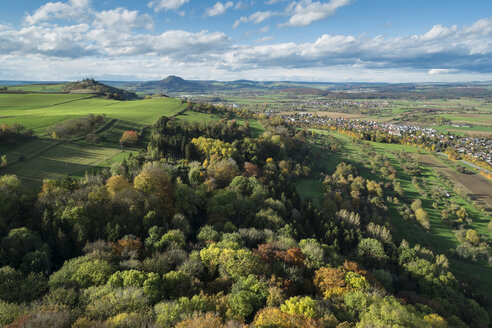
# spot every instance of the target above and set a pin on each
(45, 157)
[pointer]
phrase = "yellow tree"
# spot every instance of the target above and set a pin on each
(153, 180)
(117, 183)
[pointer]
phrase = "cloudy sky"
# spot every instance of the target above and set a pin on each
(309, 40)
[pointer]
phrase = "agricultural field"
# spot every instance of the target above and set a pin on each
(42, 88)
(45, 157)
(40, 111)
(59, 159)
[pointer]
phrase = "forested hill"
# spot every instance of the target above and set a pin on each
(173, 84)
(91, 86)
(206, 229)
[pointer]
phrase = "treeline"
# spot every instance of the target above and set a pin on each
(229, 112)
(164, 241)
(212, 140)
(14, 132)
(10, 134)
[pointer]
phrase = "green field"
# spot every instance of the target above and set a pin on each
(39, 111)
(58, 159)
(44, 157)
(47, 88)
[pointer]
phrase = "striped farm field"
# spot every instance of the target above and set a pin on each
(57, 159)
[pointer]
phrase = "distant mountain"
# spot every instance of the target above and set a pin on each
(173, 84)
(90, 86)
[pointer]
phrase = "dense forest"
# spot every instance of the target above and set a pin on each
(206, 229)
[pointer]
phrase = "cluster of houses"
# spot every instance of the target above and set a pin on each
(345, 104)
(478, 147)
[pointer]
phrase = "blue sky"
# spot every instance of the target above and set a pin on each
(309, 40)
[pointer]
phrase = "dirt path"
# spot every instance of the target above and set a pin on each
(477, 186)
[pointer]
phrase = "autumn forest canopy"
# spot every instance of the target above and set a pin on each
(206, 228)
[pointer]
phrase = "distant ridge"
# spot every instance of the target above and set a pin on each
(173, 83)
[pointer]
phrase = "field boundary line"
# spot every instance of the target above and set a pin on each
(69, 101)
(39, 153)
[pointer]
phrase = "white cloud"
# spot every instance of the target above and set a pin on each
(182, 45)
(239, 21)
(272, 2)
(244, 4)
(122, 19)
(306, 12)
(109, 38)
(436, 71)
(264, 39)
(73, 10)
(81, 11)
(159, 5)
(264, 29)
(219, 8)
(448, 48)
(438, 31)
(67, 41)
(257, 18)
(482, 27)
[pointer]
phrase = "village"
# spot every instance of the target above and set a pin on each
(480, 148)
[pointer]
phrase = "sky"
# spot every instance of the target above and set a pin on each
(264, 40)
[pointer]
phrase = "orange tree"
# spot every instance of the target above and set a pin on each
(129, 138)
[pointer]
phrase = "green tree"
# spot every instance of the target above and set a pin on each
(248, 295)
(370, 249)
(304, 306)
